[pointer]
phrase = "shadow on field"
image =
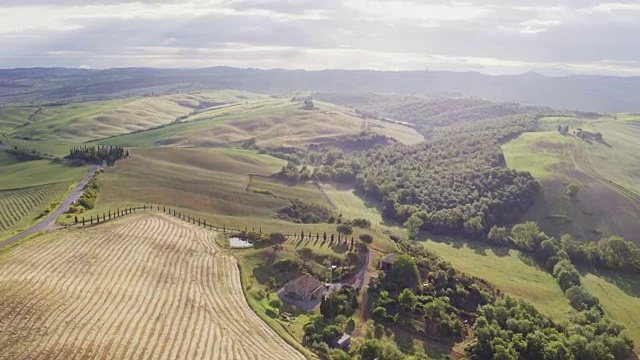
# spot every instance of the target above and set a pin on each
(629, 284)
(478, 247)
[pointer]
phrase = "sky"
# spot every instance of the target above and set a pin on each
(490, 36)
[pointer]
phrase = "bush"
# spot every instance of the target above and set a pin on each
(275, 303)
(580, 298)
(344, 229)
(366, 238)
(301, 212)
(361, 223)
(277, 238)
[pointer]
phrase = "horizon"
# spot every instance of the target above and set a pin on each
(530, 72)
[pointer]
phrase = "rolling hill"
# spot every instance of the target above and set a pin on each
(580, 92)
(608, 199)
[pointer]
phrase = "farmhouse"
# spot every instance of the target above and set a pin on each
(387, 261)
(305, 287)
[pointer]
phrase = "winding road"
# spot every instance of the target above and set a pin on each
(51, 218)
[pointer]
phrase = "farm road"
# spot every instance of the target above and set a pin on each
(51, 219)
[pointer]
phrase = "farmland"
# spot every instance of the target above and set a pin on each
(217, 156)
(27, 189)
(143, 286)
(20, 206)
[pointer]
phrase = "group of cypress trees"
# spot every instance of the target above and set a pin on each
(97, 154)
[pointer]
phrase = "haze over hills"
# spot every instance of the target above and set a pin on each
(578, 92)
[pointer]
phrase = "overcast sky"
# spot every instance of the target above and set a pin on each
(491, 36)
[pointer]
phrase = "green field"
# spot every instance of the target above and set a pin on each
(606, 172)
(619, 294)
(507, 270)
(541, 153)
(16, 174)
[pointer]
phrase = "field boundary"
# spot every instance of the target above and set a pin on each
(112, 215)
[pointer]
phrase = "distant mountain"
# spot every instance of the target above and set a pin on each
(578, 92)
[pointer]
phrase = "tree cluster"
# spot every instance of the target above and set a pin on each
(424, 294)
(513, 329)
(301, 212)
(98, 154)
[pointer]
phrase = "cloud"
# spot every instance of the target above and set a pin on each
(492, 36)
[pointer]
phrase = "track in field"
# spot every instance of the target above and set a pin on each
(145, 286)
(18, 204)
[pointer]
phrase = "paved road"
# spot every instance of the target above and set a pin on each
(51, 219)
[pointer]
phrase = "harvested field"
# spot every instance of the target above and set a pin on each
(144, 286)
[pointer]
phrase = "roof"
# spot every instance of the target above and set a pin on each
(305, 283)
(342, 339)
(389, 258)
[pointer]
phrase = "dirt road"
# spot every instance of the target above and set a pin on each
(51, 219)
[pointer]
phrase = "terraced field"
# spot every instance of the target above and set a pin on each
(144, 286)
(18, 206)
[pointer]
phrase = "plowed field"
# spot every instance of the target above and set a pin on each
(145, 286)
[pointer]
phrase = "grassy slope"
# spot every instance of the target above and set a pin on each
(508, 271)
(38, 172)
(620, 297)
(605, 172)
(273, 122)
(83, 121)
(11, 117)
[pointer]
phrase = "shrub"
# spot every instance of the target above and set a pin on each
(366, 238)
(580, 298)
(275, 303)
(344, 229)
(301, 212)
(361, 223)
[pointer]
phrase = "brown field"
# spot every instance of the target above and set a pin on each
(141, 287)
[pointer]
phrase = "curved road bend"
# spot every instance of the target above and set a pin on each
(51, 219)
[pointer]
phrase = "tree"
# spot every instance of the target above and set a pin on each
(580, 298)
(526, 235)
(474, 226)
(366, 238)
(277, 238)
(566, 274)
(339, 354)
(404, 272)
(413, 225)
(407, 299)
(619, 254)
(498, 235)
(344, 229)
